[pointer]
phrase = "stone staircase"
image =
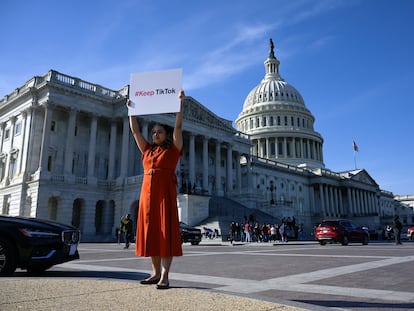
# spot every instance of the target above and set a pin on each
(223, 211)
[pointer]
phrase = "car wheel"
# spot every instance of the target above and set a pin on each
(365, 240)
(412, 236)
(322, 242)
(7, 258)
(195, 243)
(345, 240)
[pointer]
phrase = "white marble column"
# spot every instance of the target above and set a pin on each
(68, 169)
(341, 202)
(328, 205)
(267, 148)
(9, 174)
(92, 146)
(260, 148)
(276, 148)
(44, 146)
(229, 162)
(26, 120)
(332, 206)
(350, 204)
(191, 151)
(218, 168)
(112, 150)
(354, 202)
(322, 199)
(2, 127)
(238, 174)
(205, 163)
(125, 143)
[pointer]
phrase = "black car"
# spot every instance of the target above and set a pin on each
(190, 234)
(34, 244)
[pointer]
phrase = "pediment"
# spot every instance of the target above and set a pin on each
(198, 113)
(360, 176)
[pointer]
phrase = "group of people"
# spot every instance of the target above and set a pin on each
(254, 232)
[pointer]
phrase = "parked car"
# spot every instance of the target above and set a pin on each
(340, 231)
(35, 245)
(410, 233)
(190, 234)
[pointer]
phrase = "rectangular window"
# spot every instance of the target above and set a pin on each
(7, 134)
(13, 167)
(18, 128)
(53, 126)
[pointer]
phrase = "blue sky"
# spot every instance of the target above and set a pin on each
(352, 61)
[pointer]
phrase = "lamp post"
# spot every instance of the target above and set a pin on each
(271, 187)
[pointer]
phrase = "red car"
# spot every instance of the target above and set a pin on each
(340, 231)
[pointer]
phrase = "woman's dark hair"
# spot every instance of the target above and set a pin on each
(168, 132)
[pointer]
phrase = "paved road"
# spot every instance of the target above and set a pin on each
(379, 276)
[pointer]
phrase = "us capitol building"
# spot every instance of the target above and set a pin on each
(67, 154)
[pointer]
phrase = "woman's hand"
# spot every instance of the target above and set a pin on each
(181, 95)
(128, 103)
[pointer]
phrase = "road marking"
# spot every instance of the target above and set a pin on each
(295, 283)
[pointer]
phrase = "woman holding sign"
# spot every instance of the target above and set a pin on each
(158, 230)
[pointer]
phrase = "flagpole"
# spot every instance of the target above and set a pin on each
(355, 159)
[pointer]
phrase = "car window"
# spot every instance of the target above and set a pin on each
(346, 224)
(328, 223)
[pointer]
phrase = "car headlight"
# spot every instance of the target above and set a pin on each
(35, 233)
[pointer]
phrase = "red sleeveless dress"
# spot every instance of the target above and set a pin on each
(158, 228)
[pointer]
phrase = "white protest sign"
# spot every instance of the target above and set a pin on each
(155, 92)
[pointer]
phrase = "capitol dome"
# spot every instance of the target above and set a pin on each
(279, 124)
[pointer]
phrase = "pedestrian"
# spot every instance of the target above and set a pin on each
(247, 232)
(397, 230)
(158, 230)
(126, 227)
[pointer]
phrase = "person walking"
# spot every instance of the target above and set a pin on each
(397, 230)
(126, 228)
(158, 231)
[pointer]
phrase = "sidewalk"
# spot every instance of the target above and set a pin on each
(40, 294)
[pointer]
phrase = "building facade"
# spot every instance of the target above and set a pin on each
(66, 154)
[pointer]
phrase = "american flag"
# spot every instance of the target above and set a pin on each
(354, 145)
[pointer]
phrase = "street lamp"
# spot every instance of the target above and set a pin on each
(272, 187)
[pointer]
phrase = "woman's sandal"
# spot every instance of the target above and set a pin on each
(150, 282)
(163, 286)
